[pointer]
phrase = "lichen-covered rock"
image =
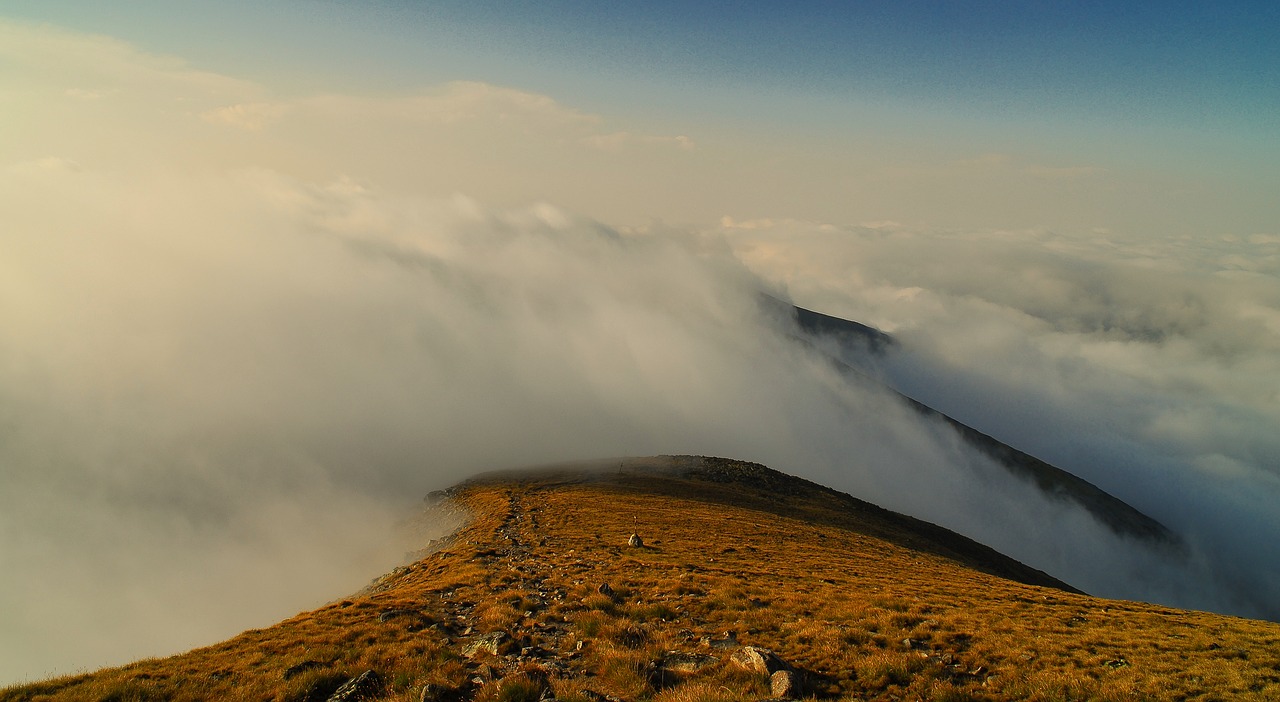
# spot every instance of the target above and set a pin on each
(494, 643)
(759, 660)
(784, 684)
(360, 687)
(682, 662)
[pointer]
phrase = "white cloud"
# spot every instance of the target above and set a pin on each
(48, 164)
(1061, 172)
(1145, 367)
(214, 336)
(620, 140)
(248, 116)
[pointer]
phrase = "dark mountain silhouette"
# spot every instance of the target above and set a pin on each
(860, 340)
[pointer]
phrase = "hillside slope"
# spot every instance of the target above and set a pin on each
(541, 595)
(859, 340)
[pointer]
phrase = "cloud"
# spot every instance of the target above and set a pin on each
(248, 116)
(212, 382)
(48, 164)
(620, 140)
(232, 359)
(87, 66)
(1146, 367)
(1064, 172)
(1010, 163)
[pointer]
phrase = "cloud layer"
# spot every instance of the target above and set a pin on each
(1147, 367)
(241, 334)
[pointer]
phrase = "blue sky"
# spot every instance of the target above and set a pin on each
(1212, 65)
(930, 113)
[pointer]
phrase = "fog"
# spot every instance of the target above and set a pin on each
(221, 393)
(227, 374)
(1147, 367)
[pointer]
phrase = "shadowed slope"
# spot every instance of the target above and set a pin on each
(1118, 515)
(540, 595)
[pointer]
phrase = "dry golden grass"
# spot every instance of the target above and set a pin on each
(862, 603)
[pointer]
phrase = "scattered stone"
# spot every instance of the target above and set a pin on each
(605, 590)
(635, 541)
(784, 684)
(360, 687)
(1116, 663)
(759, 660)
(728, 640)
(416, 620)
(438, 693)
(682, 662)
(494, 643)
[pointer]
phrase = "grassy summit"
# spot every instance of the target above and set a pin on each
(541, 596)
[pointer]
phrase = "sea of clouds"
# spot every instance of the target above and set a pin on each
(222, 385)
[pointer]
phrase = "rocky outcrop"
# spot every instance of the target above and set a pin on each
(363, 686)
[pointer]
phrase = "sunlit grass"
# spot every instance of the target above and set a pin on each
(835, 594)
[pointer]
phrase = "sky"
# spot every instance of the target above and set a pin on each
(268, 272)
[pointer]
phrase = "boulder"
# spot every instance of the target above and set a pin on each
(784, 684)
(682, 662)
(729, 640)
(759, 660)
(494, 643)
(635, 541)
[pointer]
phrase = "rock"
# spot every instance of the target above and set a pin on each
(360, 687)
(1117, 663)
(415, 620)
(439, 693)
(635, 541)
(729, 640)
(605, 590)
(682, 662)
(494, 643)
(759, 660)
(784, 684)
(397, 614)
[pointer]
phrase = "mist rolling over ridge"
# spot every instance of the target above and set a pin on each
(243, 330)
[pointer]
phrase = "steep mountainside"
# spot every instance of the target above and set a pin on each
(1119, 516)
(746, 584)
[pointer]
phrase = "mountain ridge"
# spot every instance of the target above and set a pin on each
(748, 585)
(1056, 483)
